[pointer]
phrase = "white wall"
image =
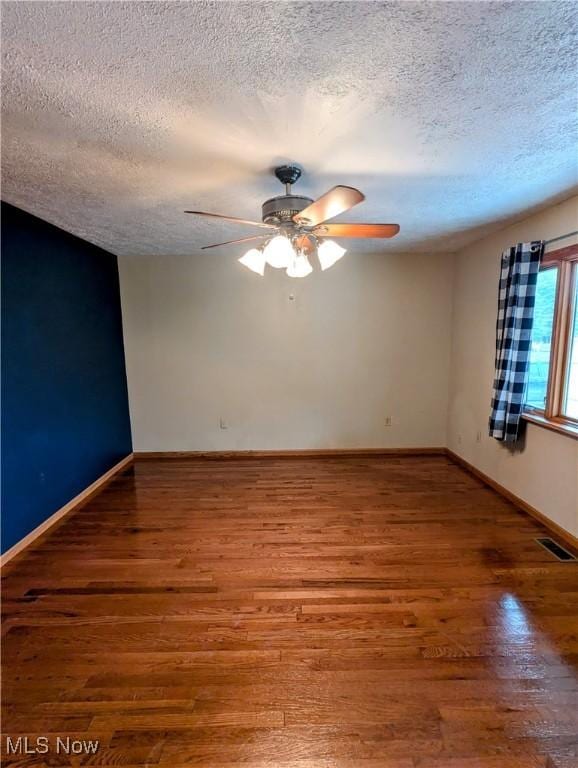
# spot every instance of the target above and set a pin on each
(206, 339)
(544, 472)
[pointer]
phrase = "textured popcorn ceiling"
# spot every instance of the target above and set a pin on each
(449, 116)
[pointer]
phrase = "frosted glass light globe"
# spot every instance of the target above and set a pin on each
(278, 252)
(329, 252)
(299, 266)
(254, 260)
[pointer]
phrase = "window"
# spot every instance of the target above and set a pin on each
(541, 345)
(552, 391)
(571, 392)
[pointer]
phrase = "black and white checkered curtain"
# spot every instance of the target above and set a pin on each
(516, 298)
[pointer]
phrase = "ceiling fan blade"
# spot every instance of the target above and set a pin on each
(332, 203)
(233, 218)
(231, 242)
(356, 230)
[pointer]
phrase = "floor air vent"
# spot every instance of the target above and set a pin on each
(555, 549)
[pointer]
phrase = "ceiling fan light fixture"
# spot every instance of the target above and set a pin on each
(254, 260)
(278, 252)
(299, 226)
(299, 266)
(329, 252)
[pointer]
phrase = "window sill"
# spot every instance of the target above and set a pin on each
(562, 426)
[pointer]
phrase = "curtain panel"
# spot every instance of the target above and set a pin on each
(516, 298)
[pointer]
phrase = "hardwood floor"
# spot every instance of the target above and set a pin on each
(321, 613)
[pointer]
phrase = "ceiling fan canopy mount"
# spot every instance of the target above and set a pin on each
(288, 174)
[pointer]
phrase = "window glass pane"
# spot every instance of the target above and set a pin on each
(571, 399)
(541, 338)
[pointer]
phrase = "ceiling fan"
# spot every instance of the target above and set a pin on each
(298, 229)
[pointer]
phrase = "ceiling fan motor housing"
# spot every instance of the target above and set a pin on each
(282, 209)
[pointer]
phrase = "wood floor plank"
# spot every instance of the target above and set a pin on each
(361, 612)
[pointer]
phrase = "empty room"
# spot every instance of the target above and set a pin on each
(289, 384)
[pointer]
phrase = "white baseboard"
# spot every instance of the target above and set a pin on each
(73, 504)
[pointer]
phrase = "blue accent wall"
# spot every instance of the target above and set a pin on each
(65, 417)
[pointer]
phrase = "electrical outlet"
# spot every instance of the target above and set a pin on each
(459, 439)
(388, 421)
(478, 436)
(223, 424)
